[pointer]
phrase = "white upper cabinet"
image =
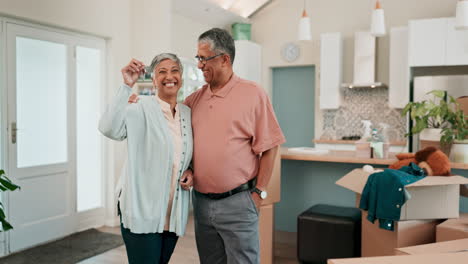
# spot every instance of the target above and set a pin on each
(399, 71)
(248, 60)
(427, 42)
(331, 72)
(457, 45)
(436, 42)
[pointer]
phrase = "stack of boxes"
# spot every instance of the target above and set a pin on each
(453, 229)
(423, 218)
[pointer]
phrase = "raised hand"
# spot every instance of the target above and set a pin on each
(132, 71)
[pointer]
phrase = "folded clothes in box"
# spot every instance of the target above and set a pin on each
(434, 197)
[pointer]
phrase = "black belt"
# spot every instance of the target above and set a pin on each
(244, 187)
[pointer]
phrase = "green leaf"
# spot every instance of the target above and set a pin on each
(452, 100)
(6, 182)
(6, 226)
(5, 185)
(406, 109)
(438, 93)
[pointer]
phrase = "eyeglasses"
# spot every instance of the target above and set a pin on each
(203, 60)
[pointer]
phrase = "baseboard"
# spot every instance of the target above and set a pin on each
(112, 221)
(285, 237)
(3, 249)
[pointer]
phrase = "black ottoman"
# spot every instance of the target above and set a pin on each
(326, 231)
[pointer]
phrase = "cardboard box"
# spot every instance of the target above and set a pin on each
(453, 229)
(434, 197)
(274, 186)
(446, 258)
(453, 246)
(266, 216)
(265, 227)
(376, 241)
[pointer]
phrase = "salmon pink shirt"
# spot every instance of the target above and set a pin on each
(231, 128)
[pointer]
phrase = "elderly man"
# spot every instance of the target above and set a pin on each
(236, 138)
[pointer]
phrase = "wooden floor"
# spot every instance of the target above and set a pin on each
(186, 250)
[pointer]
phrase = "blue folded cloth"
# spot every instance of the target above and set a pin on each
(384, 194)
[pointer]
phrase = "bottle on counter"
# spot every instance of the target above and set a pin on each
(379, 146)
(385, 139)
(363, 148)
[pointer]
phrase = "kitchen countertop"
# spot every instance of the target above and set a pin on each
(347, 156)
(339, 141)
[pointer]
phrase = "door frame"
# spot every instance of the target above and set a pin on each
(80, 220)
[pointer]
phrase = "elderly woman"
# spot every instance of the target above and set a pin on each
(154, 197)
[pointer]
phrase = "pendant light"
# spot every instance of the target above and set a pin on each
(461, 19)
(378, 21)
(304, 26)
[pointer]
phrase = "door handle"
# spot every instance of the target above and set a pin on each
(13, 132)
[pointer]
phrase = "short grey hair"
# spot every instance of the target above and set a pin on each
(220, 41)
(165, 56)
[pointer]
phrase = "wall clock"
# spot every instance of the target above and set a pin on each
(290, 52)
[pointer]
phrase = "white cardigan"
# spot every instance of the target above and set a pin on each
(145, 185)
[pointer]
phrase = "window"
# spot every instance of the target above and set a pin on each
(193, 79)
(88, 139)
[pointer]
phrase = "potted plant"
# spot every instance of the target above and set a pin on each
(457, 133)
(5, 185)
(431, 120)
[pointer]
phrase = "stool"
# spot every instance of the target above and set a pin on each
(326, 231)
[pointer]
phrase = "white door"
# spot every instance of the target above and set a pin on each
(43, 131)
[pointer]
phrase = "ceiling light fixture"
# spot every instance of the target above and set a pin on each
(461, 19)
(378, 21)
(304, 26)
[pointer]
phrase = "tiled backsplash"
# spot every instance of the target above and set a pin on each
(363, 104)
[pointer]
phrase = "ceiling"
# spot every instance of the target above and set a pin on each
(219, 13)
(243, 8)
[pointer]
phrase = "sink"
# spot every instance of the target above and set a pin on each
(307, 150)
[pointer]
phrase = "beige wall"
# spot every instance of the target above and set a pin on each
(277, 24)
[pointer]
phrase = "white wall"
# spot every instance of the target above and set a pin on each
(151, 28)
(277, 24)
(185, 37)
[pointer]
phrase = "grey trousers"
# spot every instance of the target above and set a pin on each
(226, 230)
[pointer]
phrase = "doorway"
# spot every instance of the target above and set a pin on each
(54, 81)
(294, 103)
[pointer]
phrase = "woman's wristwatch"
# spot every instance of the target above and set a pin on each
(262, 194)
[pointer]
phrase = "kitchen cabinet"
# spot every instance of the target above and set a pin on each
(436, 42)
(331, 70)
(427, 42)
(457, 45)
(248, 60)
(399, 86)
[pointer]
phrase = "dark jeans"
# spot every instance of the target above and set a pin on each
(152, 248)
